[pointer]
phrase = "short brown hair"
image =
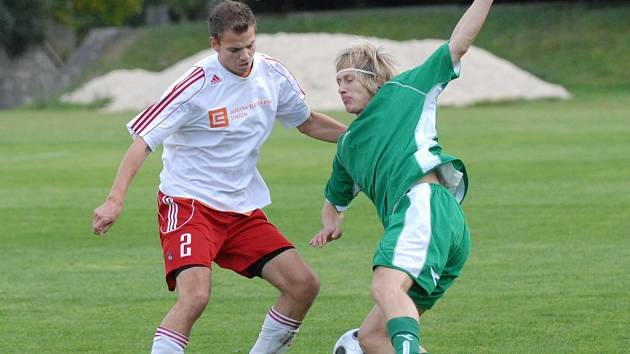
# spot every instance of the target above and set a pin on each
(369, 58)
(230, 16)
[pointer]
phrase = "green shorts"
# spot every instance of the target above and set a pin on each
(427, 238)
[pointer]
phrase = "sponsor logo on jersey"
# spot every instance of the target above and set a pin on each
(169, 256)
(215, 79)
(218, 118)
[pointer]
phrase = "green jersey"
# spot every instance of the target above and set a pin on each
(393, 143)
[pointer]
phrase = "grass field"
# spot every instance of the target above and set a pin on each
(548, 209)
(548, 205)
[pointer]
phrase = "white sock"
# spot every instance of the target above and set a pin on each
(277, 334)
(168, 342)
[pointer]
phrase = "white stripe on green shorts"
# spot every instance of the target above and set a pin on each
(411, 249)
(406, 347)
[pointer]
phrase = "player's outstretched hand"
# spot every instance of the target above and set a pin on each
(331, 231)
(325, 235)
(105, 216)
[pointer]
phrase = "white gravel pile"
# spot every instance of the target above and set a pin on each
(310, 57)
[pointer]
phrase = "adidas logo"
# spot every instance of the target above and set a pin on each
(406, 336)
(215, 79)
(435, 276)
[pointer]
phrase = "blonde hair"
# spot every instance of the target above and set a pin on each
(367, 57)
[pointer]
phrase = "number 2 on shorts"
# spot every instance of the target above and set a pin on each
(184, 247)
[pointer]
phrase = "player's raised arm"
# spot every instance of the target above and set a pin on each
(107, 213)
(467, 29)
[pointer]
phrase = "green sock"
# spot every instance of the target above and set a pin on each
(404, 333)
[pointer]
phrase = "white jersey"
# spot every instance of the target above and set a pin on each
(213, 123)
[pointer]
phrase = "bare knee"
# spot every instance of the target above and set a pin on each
(295, 280)
(385, 294)
(193, 301)
(389, 286)
(301, 285)
(305, 286)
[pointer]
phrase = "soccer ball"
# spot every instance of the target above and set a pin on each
(348, 343)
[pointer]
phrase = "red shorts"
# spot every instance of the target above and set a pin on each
(194, 234)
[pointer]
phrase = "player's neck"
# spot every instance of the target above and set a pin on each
(246, 74)
(243, 74)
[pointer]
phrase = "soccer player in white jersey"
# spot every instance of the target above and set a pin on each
(212, 123)
(391, 153)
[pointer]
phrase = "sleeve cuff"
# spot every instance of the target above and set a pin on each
(340, 209)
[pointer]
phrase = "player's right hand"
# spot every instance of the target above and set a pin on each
(325, 235)
(105, 216)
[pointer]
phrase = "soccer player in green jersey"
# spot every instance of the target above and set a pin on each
(391, 153)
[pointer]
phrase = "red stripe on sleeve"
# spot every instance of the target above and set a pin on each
(166, 101)
(150, 114)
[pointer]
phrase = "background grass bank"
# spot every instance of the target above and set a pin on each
(582, 47)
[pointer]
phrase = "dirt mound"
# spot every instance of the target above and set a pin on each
(310, 57)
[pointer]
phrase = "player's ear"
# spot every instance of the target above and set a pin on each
(214, 43)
